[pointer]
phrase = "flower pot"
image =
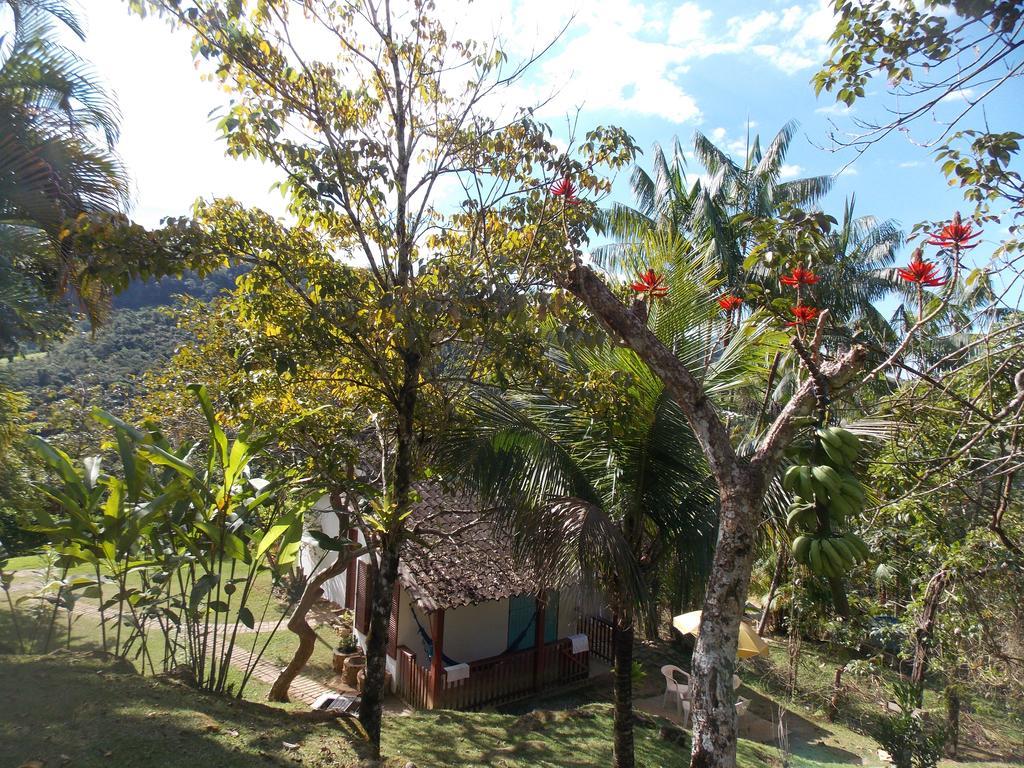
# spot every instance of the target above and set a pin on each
(339, 659)
(353, 666)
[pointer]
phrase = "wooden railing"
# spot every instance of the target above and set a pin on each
(495, 680)
(413, 680)
(601, 636)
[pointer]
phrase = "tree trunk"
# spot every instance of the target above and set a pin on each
(952, 720)
(832, 708)
(839, 598)
(780, 569)
(381, 594)
(297, 624)
(372, 703)
(653, 611)
(714, 660)
(925, 628)
(623, 694)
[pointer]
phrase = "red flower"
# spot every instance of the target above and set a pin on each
(921, 272)
(955, 236)
(650, 284)
(730, 303)
(566, 189)
(803, 314)
(799, 276)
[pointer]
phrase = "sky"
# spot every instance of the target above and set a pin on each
(660, 69)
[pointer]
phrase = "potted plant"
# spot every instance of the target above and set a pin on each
(347, 646)
(354, 665)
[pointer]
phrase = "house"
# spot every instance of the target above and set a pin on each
(469, 627)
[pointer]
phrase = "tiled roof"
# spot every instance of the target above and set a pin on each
(469, 564)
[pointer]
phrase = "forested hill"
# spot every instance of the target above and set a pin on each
(106, 368)
(162, 293)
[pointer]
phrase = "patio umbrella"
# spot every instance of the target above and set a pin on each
(750, 644)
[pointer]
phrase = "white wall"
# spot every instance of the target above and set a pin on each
(475, 632)
(568, 612)
(310, 554)
(408, 634)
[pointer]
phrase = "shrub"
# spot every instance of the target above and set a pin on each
(906, 734)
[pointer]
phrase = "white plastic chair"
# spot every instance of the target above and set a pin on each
(741, 707)
(675, 688)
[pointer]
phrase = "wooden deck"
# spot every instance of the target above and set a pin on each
(491, 681)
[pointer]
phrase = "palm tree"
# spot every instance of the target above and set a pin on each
(716, 211)
(57, 131)
(605, 487)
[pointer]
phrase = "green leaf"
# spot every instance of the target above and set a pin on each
(56, 459)
(330, 543)
(217, 435)
(245, 616)
(92, 466)
(166, 458)
(201, 589)
(270, 537)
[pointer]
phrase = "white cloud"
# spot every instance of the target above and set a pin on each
(626, 58)
(841, 110)
(788, 61)
(790, 171)
(911, 164)
(850, 170)
(687, 24)
(964, 94)
(791, 17)
(168, 141)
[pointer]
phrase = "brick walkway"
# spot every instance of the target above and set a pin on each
(303, 688)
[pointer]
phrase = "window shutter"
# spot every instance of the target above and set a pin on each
(393, 623)
(362, 617)
(350, 574)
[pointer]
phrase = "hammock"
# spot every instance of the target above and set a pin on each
(428, 643)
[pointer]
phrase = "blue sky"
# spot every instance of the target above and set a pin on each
(660, 69)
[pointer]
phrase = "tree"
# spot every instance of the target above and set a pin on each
(366, 134)
(56, 156)
(941, 61)
(717, 213)
(597, 475)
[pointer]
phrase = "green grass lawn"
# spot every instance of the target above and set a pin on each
(108, 707)
(108, 715)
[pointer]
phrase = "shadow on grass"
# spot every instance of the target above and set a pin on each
(571, 738)
(85, 710)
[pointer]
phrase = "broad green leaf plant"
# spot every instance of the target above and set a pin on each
(176, 539)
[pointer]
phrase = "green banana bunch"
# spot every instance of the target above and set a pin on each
(830, 556)
(826, 482)
(800, 479)
(802, 514)
(840, 445)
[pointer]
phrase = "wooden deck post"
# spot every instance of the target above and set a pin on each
(437, 660)
(538, 644)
